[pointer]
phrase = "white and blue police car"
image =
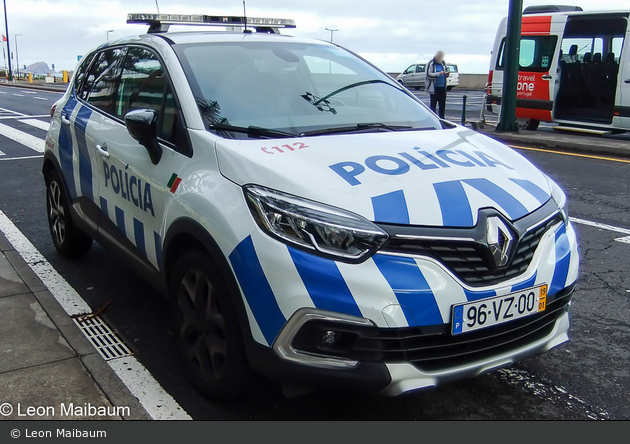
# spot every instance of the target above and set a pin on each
(308, 217)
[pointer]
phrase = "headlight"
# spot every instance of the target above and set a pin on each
(559, 198)
(324, 230)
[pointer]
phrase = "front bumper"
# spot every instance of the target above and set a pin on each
(399, 313)
(387, 375)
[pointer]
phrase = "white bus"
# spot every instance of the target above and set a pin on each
(574, 69)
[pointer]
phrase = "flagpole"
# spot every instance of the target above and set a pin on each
(6, 26)
(4, 56)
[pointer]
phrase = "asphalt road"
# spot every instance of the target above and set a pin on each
(587, 378)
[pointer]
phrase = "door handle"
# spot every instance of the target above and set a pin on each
(65, 120)
(547, 77)
(626, 81)
(102, 150)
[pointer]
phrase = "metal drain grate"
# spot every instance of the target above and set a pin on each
(102, 337)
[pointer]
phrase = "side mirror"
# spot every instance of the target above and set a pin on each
(142, 124)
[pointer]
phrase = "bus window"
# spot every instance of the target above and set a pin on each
(536, 53)
(574, 49)
(598, 45)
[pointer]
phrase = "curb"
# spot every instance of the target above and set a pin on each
(587, 144)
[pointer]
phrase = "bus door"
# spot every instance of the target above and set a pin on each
(588, 91)
(622, 103)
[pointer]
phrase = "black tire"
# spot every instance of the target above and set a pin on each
(449, 88)
(207, 329)
(528, 124)
(69, 240)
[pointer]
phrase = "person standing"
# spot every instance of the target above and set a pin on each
(435, 75)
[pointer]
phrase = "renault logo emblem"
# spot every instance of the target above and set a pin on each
(499, 240)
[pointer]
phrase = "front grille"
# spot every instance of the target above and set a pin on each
(469, 260)
(432, 348)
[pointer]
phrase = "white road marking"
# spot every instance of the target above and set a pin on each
(29, 92)
(2, 154)
(19, 95)
(20, 158)
(155, 400)
(21, 116)
(601, 226)
(11, 112)
(2, 92)
(36, 123)
(25, 139)
(40, 98)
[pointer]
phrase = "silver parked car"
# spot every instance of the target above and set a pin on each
(413, 77)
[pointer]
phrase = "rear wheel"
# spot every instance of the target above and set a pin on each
(69, 240)
(207, 329)
(528, 124)
(448, 88)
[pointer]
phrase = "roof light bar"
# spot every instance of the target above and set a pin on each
(208, 20)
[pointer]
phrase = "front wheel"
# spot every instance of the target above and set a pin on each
(528, 124)
(69, 240)
(207, 329)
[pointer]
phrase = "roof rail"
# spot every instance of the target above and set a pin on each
(541, 9)
(162, 22)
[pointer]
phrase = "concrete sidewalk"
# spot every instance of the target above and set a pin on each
(46, 363)
(563, 141)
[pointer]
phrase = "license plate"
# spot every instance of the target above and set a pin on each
(485, 313)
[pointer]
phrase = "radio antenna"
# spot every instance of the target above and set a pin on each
(244, 16)
(157, 6)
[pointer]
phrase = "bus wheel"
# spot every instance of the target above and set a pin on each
(528, 124)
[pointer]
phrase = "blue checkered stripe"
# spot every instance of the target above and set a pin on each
(74, 157)
(393, 291)
(148, 242)
(454, 197)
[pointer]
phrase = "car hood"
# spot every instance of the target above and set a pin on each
(431, 178)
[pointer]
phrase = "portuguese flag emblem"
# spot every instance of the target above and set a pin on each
(174, 182)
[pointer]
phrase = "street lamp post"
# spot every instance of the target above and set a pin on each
(111, 30)
(17, 56)
(331, 33)
(6, 25)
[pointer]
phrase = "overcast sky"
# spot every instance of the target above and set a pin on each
(392, 34)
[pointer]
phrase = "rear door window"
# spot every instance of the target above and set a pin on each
(536, 53)
(102, 80)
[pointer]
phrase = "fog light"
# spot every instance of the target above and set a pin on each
(331, 337)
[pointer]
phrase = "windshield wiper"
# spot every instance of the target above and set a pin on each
(362, 127)
(255, 132)
(354, 85)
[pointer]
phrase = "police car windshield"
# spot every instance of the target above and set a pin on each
(295, 88)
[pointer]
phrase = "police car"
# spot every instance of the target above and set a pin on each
(308, 217)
